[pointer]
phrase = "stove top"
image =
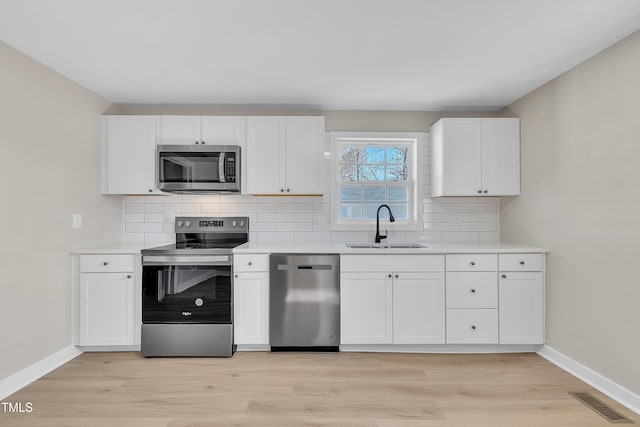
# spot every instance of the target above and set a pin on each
(205, 236)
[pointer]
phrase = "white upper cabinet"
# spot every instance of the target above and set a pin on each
(284, 155)
(220, 130)
(128, 155)
(475, 157)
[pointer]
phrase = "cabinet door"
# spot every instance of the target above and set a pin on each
(265, 155)
(251, 308)
(223, 130)
(418, 308)
(501, 156)
(304, 138)
(521, 308)
(181, 130)
(106, 309)
(130, 151)
(366, 308)
(461, 157)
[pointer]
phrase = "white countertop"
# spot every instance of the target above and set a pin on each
(341, 248)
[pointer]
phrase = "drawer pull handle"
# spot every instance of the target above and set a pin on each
(473, 327)
(105, 263)
(473, 263)
(473, 291)
(504, 276)
(521, 262)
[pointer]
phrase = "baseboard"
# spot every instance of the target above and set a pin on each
(21, 379)
(594, 379)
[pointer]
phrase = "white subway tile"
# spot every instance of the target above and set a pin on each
(154, 217)
(159, 238)
(275, 236)
(314, 236)
(286, 207)
(230, 207)
(478, 207)
(275, 217)
(134, 217)
(143, 227)
(448, 200)
(309, 199)
(163, 198)
(256, 207)
(262, 226)
(441, 226)
(201, 198)
(142, 208)
(181, 207)
(273, 199)
(304, 217)
(459, 237)
(133, 237)
(432, 217)
(479, 226)
(441, 208)
(321, 207)
(210, 208)
(489, 216)
(237, 198)
(293, 226)
(429, 237)
(322, 227)
(459, 217)
(491, 237)
(133, 199)
(351, 236)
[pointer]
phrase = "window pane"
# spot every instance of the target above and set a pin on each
(397, 173)
(349, 172)
(350, 210)
(373, 155)
(397, 155)
(400, 210)
(351, 155)
(397, 192)
(350, 192)
(373, 173)
(370, 210)
(374, 193)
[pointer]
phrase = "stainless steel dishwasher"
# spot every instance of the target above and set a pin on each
(304, 302)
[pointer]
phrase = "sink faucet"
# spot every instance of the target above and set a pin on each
(391, 219)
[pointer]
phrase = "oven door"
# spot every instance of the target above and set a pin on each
(198, 168)
(187, 294)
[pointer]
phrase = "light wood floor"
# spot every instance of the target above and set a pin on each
(302, 389)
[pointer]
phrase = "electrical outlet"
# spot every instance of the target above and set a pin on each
(76, 221)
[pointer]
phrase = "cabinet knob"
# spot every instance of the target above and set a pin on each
(390, 276)
(397, 276)
(235, 275)
(504, 276)
(250, 263)
(473, 291)
(473, 263)
(105, 263)
(473, 327)
(485, 191)
(479, 191)
(128, 276)
(282, 190)
(150, 191)
(288, 190)
(202, 142)
(521, 262)
(197, 142)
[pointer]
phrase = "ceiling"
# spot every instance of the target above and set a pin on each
(412, 55)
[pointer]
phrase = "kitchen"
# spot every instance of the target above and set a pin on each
(577, 156)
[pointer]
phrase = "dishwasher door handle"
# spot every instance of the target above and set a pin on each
(290, 267)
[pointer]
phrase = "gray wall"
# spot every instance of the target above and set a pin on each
(581, 199)
(50, 139)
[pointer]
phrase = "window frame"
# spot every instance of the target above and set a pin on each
(415, 141)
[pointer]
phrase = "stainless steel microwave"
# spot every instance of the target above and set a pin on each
(198, 168)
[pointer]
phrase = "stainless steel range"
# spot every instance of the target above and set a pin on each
(187, 289)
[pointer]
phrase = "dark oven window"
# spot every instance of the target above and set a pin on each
(186, 294)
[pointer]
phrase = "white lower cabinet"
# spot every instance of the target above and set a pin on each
(396, 306)
(521, 308)
(472, 326)
(107, 301)
(251, 299)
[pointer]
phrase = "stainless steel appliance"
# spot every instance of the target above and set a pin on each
(304, 302)
(198, 168)
(187, 289)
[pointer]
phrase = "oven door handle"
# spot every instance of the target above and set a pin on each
(186, 260)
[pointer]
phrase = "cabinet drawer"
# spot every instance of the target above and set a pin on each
(105, 263)
(472, 326)
(472, 290)
(251, 262)
(389, 263)
(472, 262)
(520, 262)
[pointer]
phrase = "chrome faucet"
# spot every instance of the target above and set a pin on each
(391, 219)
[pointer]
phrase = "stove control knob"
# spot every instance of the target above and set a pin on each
(187, 224)
(199, 302)
(241, 223)
(180, 223)
(234, 224)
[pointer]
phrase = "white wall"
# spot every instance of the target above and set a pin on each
(581, 199)
(50, 142)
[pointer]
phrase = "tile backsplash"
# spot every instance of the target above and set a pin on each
(150, 219)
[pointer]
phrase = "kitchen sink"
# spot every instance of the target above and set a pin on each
(385, 245)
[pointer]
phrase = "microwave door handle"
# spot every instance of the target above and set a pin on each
(221, 162)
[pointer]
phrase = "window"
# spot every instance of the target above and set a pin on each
(371, 169)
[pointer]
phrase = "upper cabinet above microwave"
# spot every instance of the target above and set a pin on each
(475, 157)
(129, 155)
(218, 130)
